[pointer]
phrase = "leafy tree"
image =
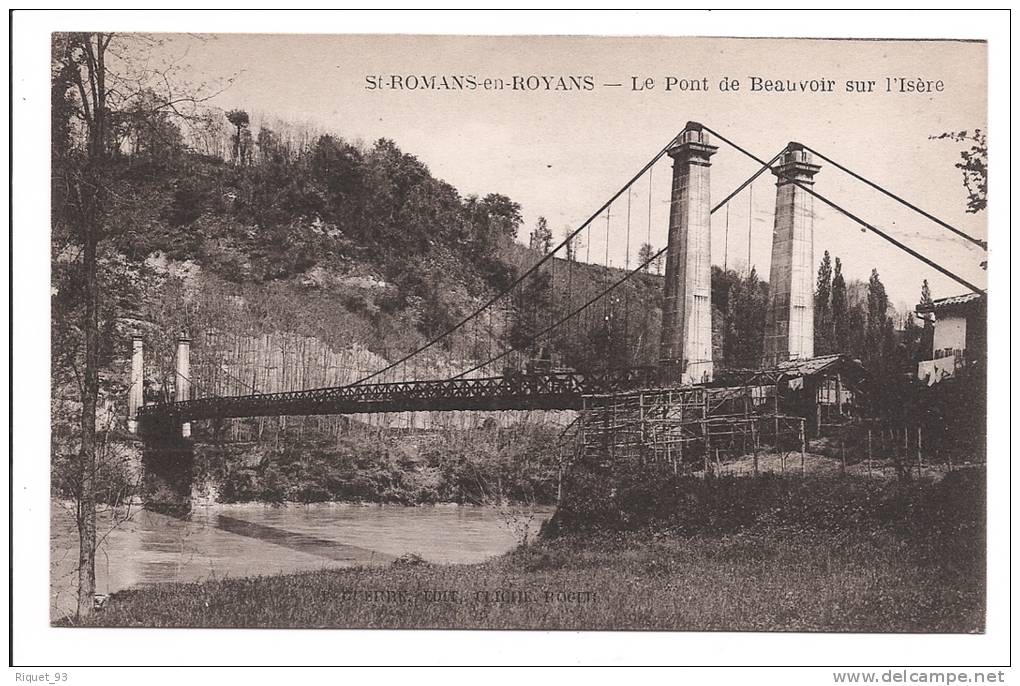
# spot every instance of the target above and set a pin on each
(744, 335)
(926, 300)
(606, 341)
(974, 165)
(910, 345)
(148, 131)
(271, 150)
(504, 217)
(531, 310)
(927, 336)
(823, 307)
(648, 254)
(341, 171)
(857, 306)
(658, 261)
(840, 311)
(879, 339)
(571, 247)
(645, 254)
(725, 283)
(541, 237)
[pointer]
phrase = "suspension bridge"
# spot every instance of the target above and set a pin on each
(451, 371)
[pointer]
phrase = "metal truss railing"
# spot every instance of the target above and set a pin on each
(560, 391)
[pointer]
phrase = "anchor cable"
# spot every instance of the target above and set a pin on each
(976, 241)
(910, 251)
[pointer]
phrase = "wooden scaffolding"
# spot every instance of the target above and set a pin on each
(684, 427)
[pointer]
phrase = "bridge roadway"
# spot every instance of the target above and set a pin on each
(544, 391)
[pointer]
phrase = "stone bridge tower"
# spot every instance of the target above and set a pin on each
(686, 345)
(790, 320)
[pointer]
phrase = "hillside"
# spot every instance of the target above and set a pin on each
(318, 265)
(297, 271)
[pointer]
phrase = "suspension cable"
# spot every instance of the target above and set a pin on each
(617, 283)
(726, 243)
(866, 225)
(649, 241)
(626, 259)
(750, 222)
(527, 272)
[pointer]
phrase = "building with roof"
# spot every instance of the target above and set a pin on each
(825, 390)
(959, 337)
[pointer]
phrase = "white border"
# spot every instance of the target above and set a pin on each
(38, 644)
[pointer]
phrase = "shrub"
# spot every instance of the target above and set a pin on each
(411, 560)
(951, 509)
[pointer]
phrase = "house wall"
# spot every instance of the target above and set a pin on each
(977, 334)
(950, 332)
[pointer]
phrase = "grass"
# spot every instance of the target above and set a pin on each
(643, 551)
(773, 580)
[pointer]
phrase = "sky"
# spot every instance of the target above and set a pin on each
(562, 154)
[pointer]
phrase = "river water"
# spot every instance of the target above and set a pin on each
(139, 548)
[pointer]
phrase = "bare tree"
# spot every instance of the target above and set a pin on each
(98, 84)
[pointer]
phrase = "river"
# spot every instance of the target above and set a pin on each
(220, 541)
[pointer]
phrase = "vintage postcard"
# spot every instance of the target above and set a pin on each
(518, 332)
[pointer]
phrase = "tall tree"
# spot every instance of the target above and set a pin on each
(926, 300)
(879, 338)
(823, 307)
(82, 58)
(271, 150)
(645, 256)
(571, 247)
(744, 335)
(541, 237)
(97, 92)
(240, 120)
(840, 311)
(858, 338)
(911, 342)
(927, 335)
(531, 311)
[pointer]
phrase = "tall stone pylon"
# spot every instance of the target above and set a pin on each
(135, 391)
(790, 318)
(686, 347)
(183, 380)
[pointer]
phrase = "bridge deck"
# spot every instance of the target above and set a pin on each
(554, 391)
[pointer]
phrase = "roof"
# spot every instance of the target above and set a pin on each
(953, 301)
(791, 369)
(808, 365)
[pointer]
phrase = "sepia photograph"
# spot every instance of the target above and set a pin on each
(598, 333)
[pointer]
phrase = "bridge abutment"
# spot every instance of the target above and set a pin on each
(168, 460)
(686, 344)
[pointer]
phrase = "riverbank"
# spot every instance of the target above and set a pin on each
(776, 580)
(640, 551)
(140, 548)
(482, 466)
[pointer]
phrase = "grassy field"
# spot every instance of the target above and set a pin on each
(773, 581)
